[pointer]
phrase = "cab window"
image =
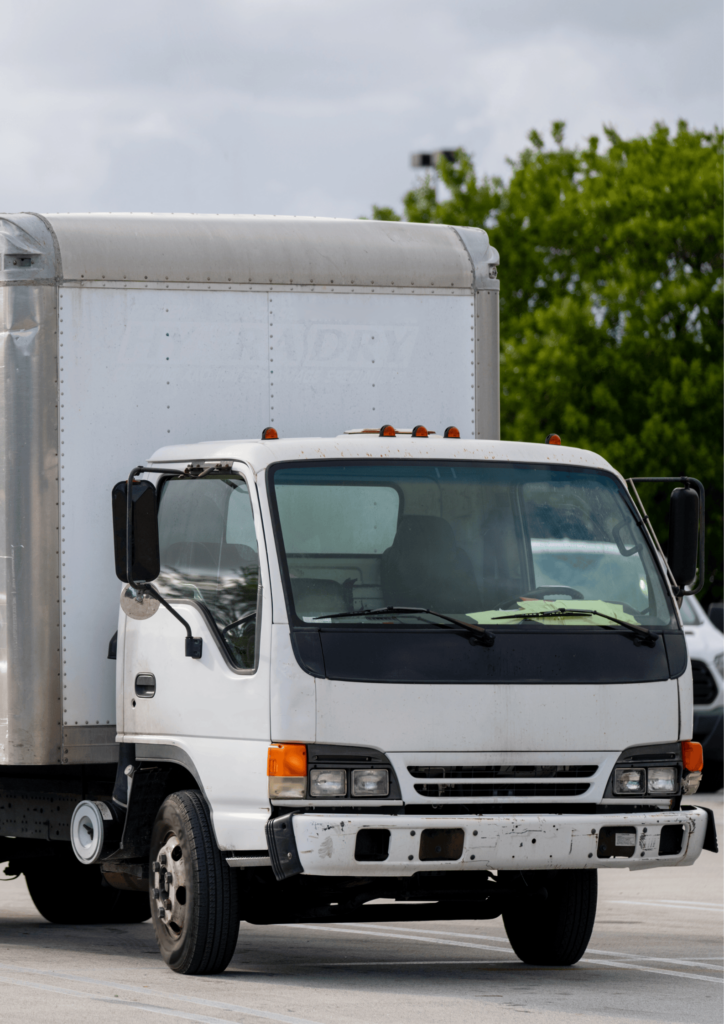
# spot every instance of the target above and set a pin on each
(209, 555)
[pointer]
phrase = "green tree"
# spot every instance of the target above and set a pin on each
(611, 300)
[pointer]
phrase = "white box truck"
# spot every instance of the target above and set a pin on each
(355, 658)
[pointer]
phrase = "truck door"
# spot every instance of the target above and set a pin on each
(212, 571)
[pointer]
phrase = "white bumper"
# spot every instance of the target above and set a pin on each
(326, 843)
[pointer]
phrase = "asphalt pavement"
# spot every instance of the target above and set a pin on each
(656, 955)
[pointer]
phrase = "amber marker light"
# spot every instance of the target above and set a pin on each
(692, 755)
(419, 431)
(286, 766)
(452, 432)
(287, 759)
(269, 434)
(388, 431)
(553, 439)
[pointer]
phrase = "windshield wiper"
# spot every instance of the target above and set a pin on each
(647, 637)
(478, 634)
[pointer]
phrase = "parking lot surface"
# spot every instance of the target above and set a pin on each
(655, 955)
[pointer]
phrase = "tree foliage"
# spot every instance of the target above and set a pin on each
(611, 300)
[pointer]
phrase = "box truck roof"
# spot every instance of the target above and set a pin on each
(240, 249)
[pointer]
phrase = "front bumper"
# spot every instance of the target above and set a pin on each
(325, 844)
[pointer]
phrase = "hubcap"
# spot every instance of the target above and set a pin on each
(169, 886)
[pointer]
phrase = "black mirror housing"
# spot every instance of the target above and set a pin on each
(146, 561)
(683, 535)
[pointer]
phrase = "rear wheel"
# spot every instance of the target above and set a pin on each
(65, 891)
(552, 932)
(193, 891)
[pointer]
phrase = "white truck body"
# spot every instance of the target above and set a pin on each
(549, 745)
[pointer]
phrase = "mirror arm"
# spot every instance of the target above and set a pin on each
(129, 527)
(687, 481)
(194, 644)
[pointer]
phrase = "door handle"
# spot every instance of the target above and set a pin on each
(145, 684)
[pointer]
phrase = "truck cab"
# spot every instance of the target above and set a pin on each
(426, 668)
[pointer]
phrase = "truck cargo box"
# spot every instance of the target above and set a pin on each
(124, 332)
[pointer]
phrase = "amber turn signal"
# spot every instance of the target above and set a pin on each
(451, 432)
(692, 754)
(419, 431)
(388, 431)
(269, 434)
(552, 439)
(287, 759)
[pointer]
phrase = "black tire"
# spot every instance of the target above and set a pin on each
(194, 896)
(65, 891)
(552, 932)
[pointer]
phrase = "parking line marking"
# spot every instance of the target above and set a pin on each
(405, 963)
(386, 935)
(672, 905)
(244, 1010)
(604, 952)
(470, 945)
(653, 970)
(688, 903)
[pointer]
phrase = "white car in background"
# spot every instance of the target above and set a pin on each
(706, 650)
(582, 564)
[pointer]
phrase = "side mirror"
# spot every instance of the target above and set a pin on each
(683, 535)
(144, 565)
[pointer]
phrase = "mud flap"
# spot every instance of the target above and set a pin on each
(710, 840)
(282, 845)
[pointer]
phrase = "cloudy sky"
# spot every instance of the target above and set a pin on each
(314, 106)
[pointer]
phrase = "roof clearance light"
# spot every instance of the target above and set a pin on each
(452, 432)
(553, 439)
(419, 431)
(388, 431)
(269, 434)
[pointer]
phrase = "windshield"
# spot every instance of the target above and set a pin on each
(486, 542)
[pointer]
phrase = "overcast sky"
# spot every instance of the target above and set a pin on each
(314, 106)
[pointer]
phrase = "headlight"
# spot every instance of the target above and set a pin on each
(719, 662)
(326, 782)
(662, 780)
(629, 781)
(370, 782)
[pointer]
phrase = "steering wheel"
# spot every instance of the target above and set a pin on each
(540, 594)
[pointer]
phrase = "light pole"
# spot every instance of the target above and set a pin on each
(432, 160)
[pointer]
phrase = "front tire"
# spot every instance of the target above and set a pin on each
(193, 891)
(555, 931)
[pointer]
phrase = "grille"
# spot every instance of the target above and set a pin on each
(502, 789)
(704, 685)
(505, 772)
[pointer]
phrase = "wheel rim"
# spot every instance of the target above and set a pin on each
(170, 889)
